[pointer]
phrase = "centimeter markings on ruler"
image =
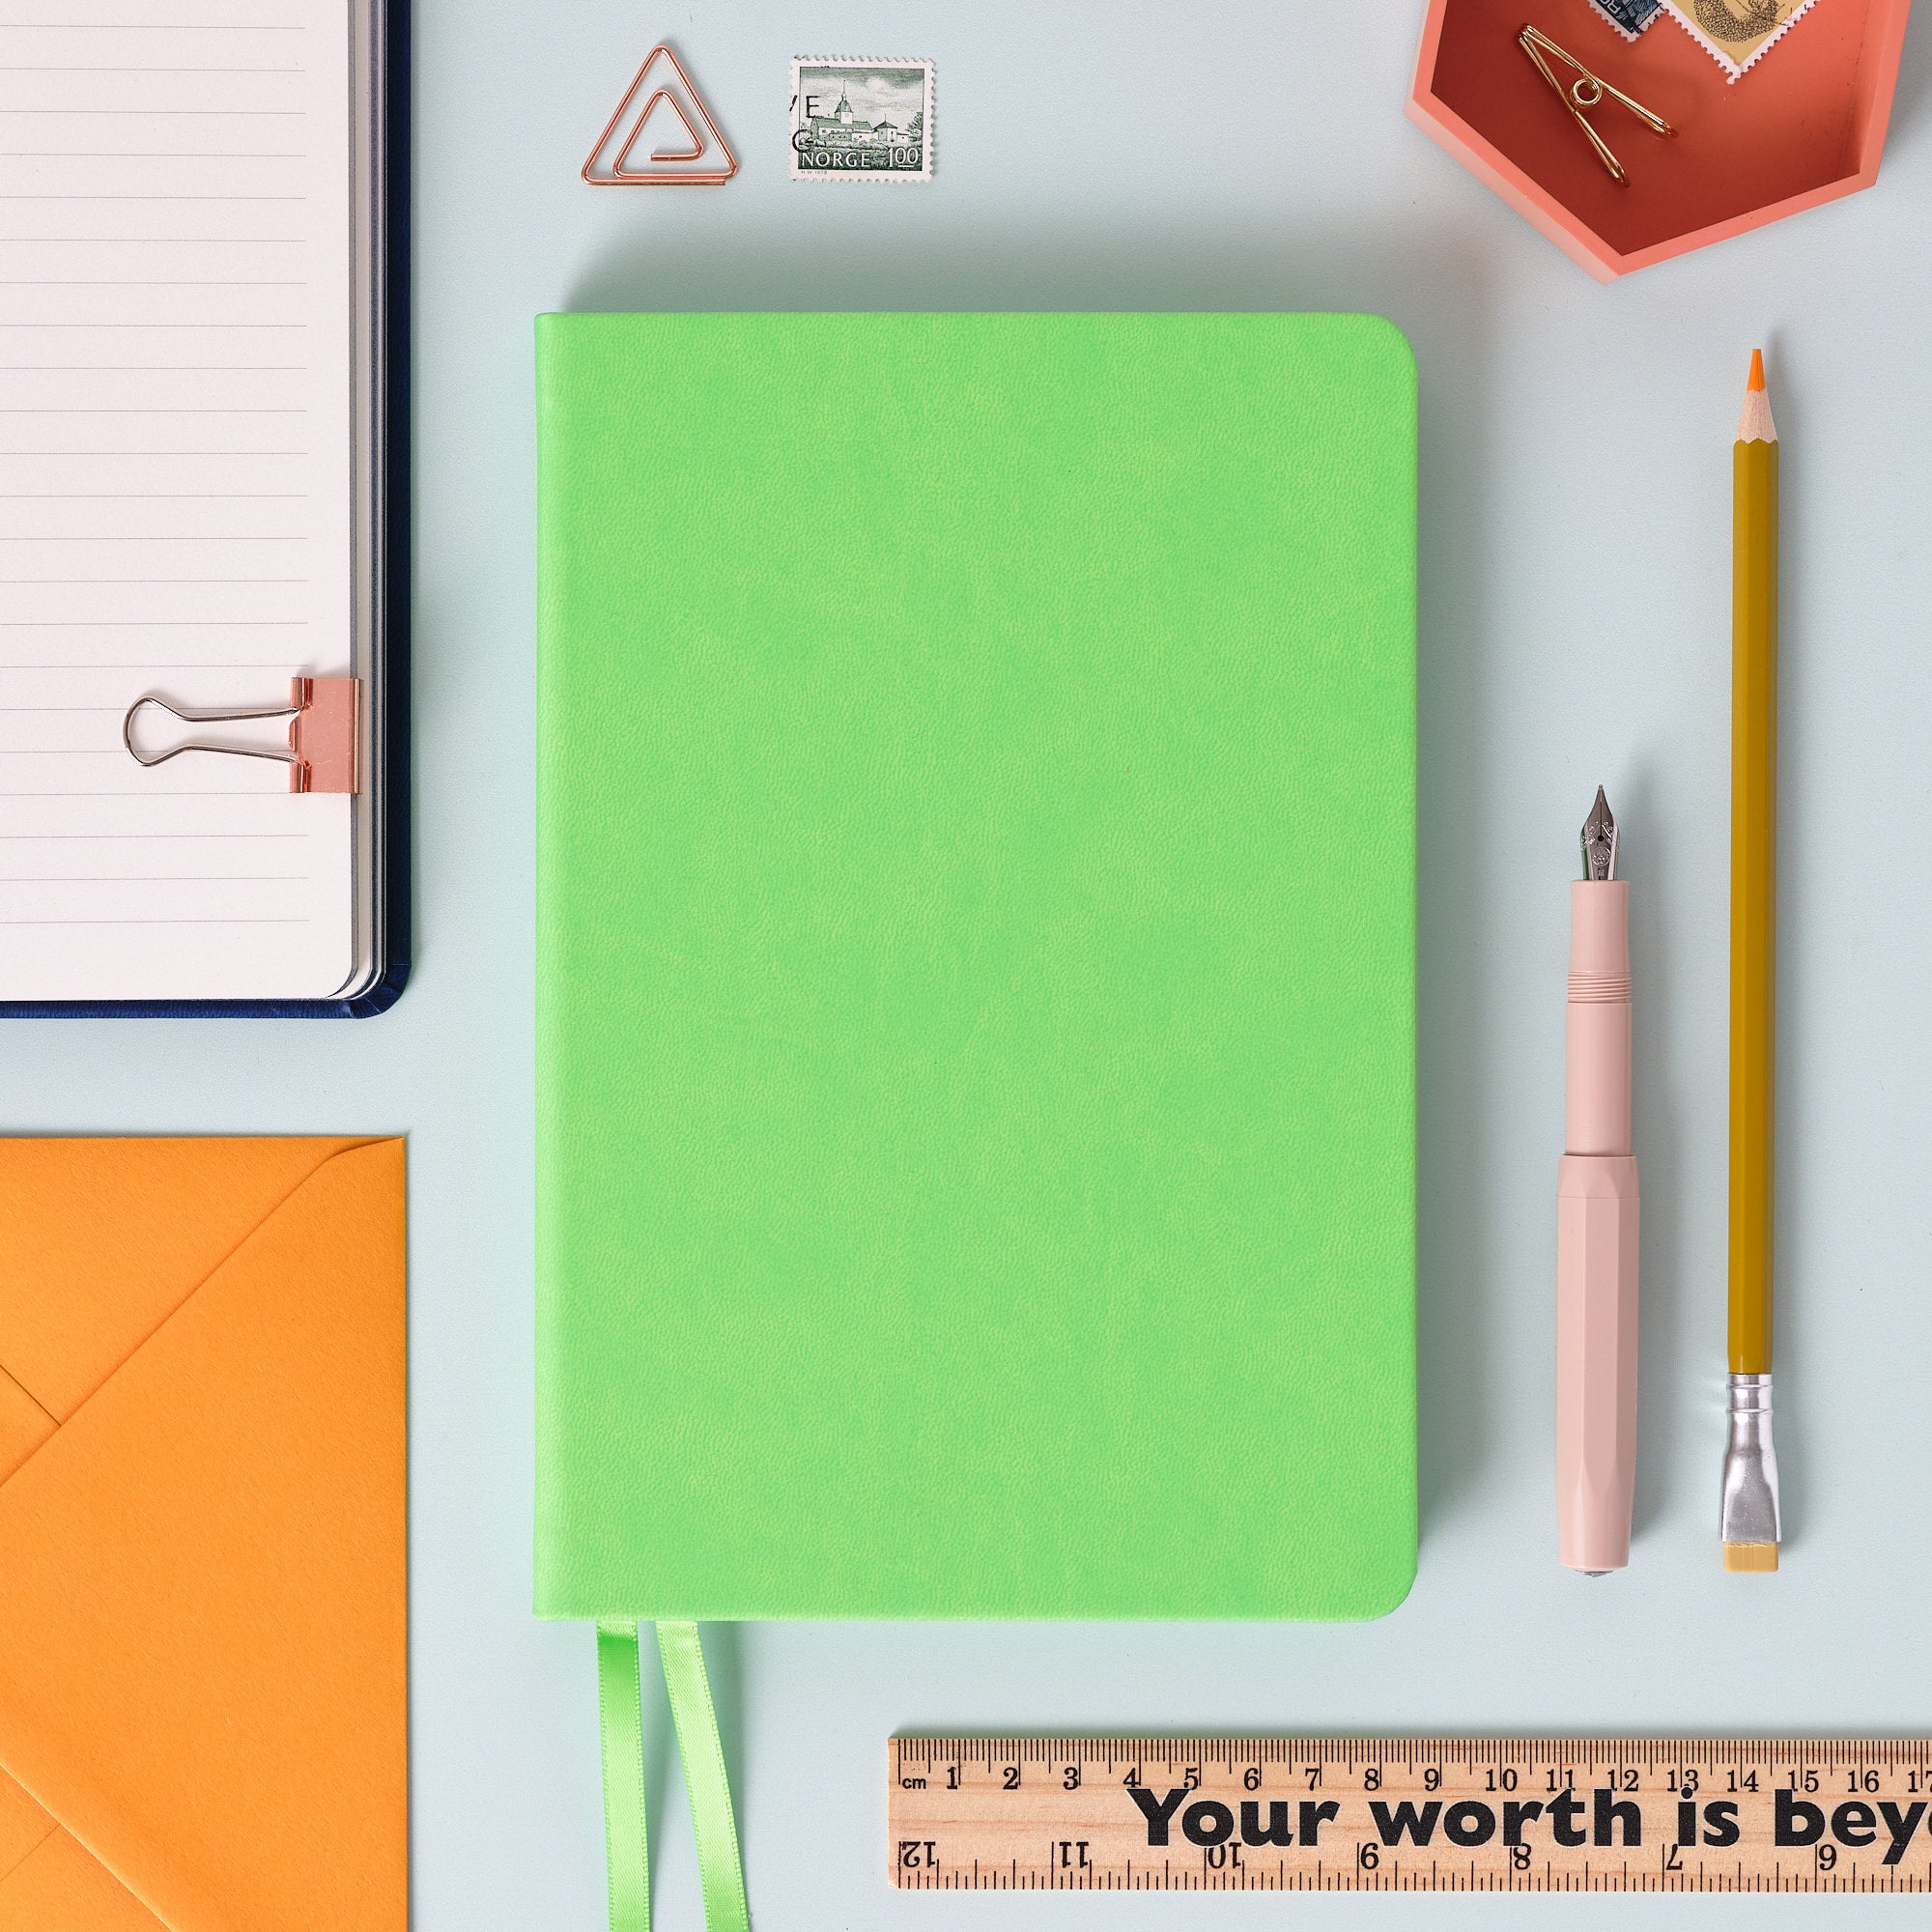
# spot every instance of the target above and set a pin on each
(1411, 1814)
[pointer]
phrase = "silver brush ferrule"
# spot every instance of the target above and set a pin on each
(1750, 1469)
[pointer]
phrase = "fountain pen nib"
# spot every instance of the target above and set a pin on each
(1600, 840)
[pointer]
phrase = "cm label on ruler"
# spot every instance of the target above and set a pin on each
(1381, 1814)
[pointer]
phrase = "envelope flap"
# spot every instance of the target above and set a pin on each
(24, 1425)
(203, 1628)
(58, 1887)
(23, 1825)
(100, 1240)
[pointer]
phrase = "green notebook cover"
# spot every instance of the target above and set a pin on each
(975, 966)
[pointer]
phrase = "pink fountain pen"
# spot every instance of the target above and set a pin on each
(1596, 1222)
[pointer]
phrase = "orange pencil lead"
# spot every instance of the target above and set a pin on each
(1755, 424)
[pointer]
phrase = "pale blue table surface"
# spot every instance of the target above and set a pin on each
(1575, 463)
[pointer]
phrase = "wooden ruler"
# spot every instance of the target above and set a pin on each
(1411, 1814)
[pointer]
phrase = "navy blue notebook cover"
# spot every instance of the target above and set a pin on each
(209, 497)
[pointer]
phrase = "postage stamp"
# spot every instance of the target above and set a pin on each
(1736, 32)
(1630, 18)
(861, 120)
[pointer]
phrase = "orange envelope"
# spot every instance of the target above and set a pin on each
(203, 1589)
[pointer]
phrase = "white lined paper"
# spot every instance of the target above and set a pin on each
(176, 435)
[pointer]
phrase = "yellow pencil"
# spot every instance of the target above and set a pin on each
(1750, 1464)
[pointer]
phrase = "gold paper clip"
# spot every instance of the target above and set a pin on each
(1586, 92)
(324, 716)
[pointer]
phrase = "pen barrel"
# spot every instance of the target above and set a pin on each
(1595, 1358)
(1597, 1025)
(1597, 1240)
(1753, 898)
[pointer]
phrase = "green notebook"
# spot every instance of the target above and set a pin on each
(976, 1129)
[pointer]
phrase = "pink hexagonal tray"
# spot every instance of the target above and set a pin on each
(1805, 125)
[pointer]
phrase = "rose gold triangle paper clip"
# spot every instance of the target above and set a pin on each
(703, 133)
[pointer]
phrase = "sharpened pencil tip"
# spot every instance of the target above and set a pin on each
(1754, 423)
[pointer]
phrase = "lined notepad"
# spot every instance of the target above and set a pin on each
(179, 308)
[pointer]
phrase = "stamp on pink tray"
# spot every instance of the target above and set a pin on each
(1736, 32)
(1630, 18)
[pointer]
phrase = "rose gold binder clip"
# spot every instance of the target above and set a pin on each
(324, 716)
(1586, 92)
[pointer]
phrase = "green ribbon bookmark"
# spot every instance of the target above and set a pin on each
(720, 1871)
(620, 1717)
